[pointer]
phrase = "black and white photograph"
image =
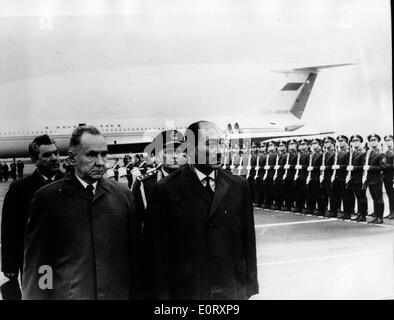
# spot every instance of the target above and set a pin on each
(195, 150)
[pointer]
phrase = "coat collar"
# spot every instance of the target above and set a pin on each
(222, 185)
(73, 187)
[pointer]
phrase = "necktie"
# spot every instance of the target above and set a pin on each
(207, 187)
(89, 189)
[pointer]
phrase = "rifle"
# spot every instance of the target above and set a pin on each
(323, 167)
(232, 166)
(240, 167)
(308, 178)
(365, 172)
(276, 167)
(349, 169)
(256, 175)
(334, 171)
(286, 166)
(297, 167)
(249, 167)
(225, 162)
(266, 167)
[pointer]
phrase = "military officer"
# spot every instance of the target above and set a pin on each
(313, 179)
(301, 175)
(375, 166)
(278, 175)
(339, 184)
(289, 190)
(259, 183)
(356, 168)
(329, 159)
(169, 160)
(252, 171)
(268, 178)
(388, 174)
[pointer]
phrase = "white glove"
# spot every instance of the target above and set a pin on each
(309, 168)
(322, 168)
(349, 168)
(366, 167)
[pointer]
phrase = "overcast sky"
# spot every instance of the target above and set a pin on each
(275, 33)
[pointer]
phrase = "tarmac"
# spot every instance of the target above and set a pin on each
(312, 258)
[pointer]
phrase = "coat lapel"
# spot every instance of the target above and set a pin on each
(195, 184)
(220, 191)
(102, 187)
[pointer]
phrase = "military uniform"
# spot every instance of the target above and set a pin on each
(388, 178)
(314, 192)
(278, 183)
(329, 159)
(259, 183)
(269, 182)
(289, 189)
(358, 161)
(377, 163)
(340, 193)
(252, 174)
(300, 183)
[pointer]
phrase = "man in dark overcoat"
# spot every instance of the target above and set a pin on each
(200, 227)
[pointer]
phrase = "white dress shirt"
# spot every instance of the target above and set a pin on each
(201, 176)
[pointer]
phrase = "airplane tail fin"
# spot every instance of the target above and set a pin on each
(293, 97)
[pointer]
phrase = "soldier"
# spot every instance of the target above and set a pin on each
(165, 150)
(289, 190)
(356, 169)
(259, 183)
(329, 159)
(388, 174)
(376, 164)
(252, 171)
(268, 178)
(300, 177)
(313, 180)
(278, 176)
(339, 184)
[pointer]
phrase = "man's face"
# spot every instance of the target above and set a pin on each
(302, 146)
(315, 146)
(263, 148)
(292, 146)
(342, 143)
(207, 151)
(48, 159)
(328, 144)
(373, 142)
(356, 143)
(282, 148)
(173, 158)
(90, 157)
(389, 142)
(271, 147)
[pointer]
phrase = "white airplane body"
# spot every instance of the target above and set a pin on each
(119, 77)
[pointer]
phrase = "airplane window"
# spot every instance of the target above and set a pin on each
(119, 125)
(112, 125)
(106, 125)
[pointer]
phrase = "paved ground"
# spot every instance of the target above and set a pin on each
(305, 257)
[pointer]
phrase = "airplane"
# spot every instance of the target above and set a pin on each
(60, 72)
(281, 118)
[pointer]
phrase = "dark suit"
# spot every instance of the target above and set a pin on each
(201, 248)
(91, 245)
(259, 183)
(14, 218)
